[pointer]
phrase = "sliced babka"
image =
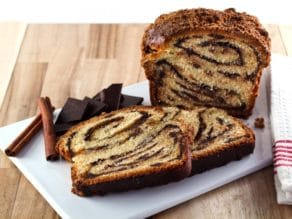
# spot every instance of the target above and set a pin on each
(146, 146)
(128, 149)
(205, 57)
(220, 139)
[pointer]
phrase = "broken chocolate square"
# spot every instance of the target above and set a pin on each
(127, 100)
(61, 128)
(73, 110)
(109, 99)
(94, 108)
(111, 96)
(99, 96)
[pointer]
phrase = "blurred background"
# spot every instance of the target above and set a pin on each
(129, 11)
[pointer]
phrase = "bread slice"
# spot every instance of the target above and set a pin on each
(220, 139)
(146, 146)
(128, 149)
(204, 57)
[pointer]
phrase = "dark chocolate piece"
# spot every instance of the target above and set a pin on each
(61, 128)
(127, 100)
(94, 108)
(107, 100)
(231, 75)
(111, 96)
(259, 123)
(72, 111)
(99, 96)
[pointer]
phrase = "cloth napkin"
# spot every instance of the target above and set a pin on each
(281, 121)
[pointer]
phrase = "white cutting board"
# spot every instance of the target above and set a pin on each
(52, 179)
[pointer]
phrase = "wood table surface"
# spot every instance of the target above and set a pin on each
(66, 60)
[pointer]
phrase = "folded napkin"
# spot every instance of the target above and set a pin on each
(281, 119)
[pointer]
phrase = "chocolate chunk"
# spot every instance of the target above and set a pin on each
(110, 96)
(259, 123)
(73, 110)
(94, 108)
(127, 100)
(99, 96)
(107, 100)
(61, 128)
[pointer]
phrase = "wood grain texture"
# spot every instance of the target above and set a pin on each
(286, 34)
(9, 188)
(79, 60)
(277, 41)
(11, 38)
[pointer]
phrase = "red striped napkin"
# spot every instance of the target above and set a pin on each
(281, 118)
(282, 154)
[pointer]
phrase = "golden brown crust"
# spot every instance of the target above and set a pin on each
(202, 20)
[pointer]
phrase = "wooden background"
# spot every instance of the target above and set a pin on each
(64, 61)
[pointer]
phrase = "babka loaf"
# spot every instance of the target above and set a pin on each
(127, 149)
(205, 57)
(146, 146)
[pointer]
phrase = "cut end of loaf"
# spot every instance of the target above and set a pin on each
(206, 62)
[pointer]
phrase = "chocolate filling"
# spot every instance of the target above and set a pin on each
(192, 89)
(144, 149)
(231, 75)
(226, 45)
(90, 131)
(203, 140)
(69, 142)
(141, 152)
(251, 76)
(135, 130)
(220, 120)
(202, 127)
(217, 36)
(219, 96)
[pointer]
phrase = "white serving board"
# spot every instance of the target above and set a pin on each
(52, 179)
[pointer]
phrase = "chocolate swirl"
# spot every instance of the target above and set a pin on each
(216, 129)
(120, 142)
(188, 73)
(194, 92)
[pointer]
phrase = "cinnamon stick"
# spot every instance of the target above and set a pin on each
(26, 135)
(48, 129)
